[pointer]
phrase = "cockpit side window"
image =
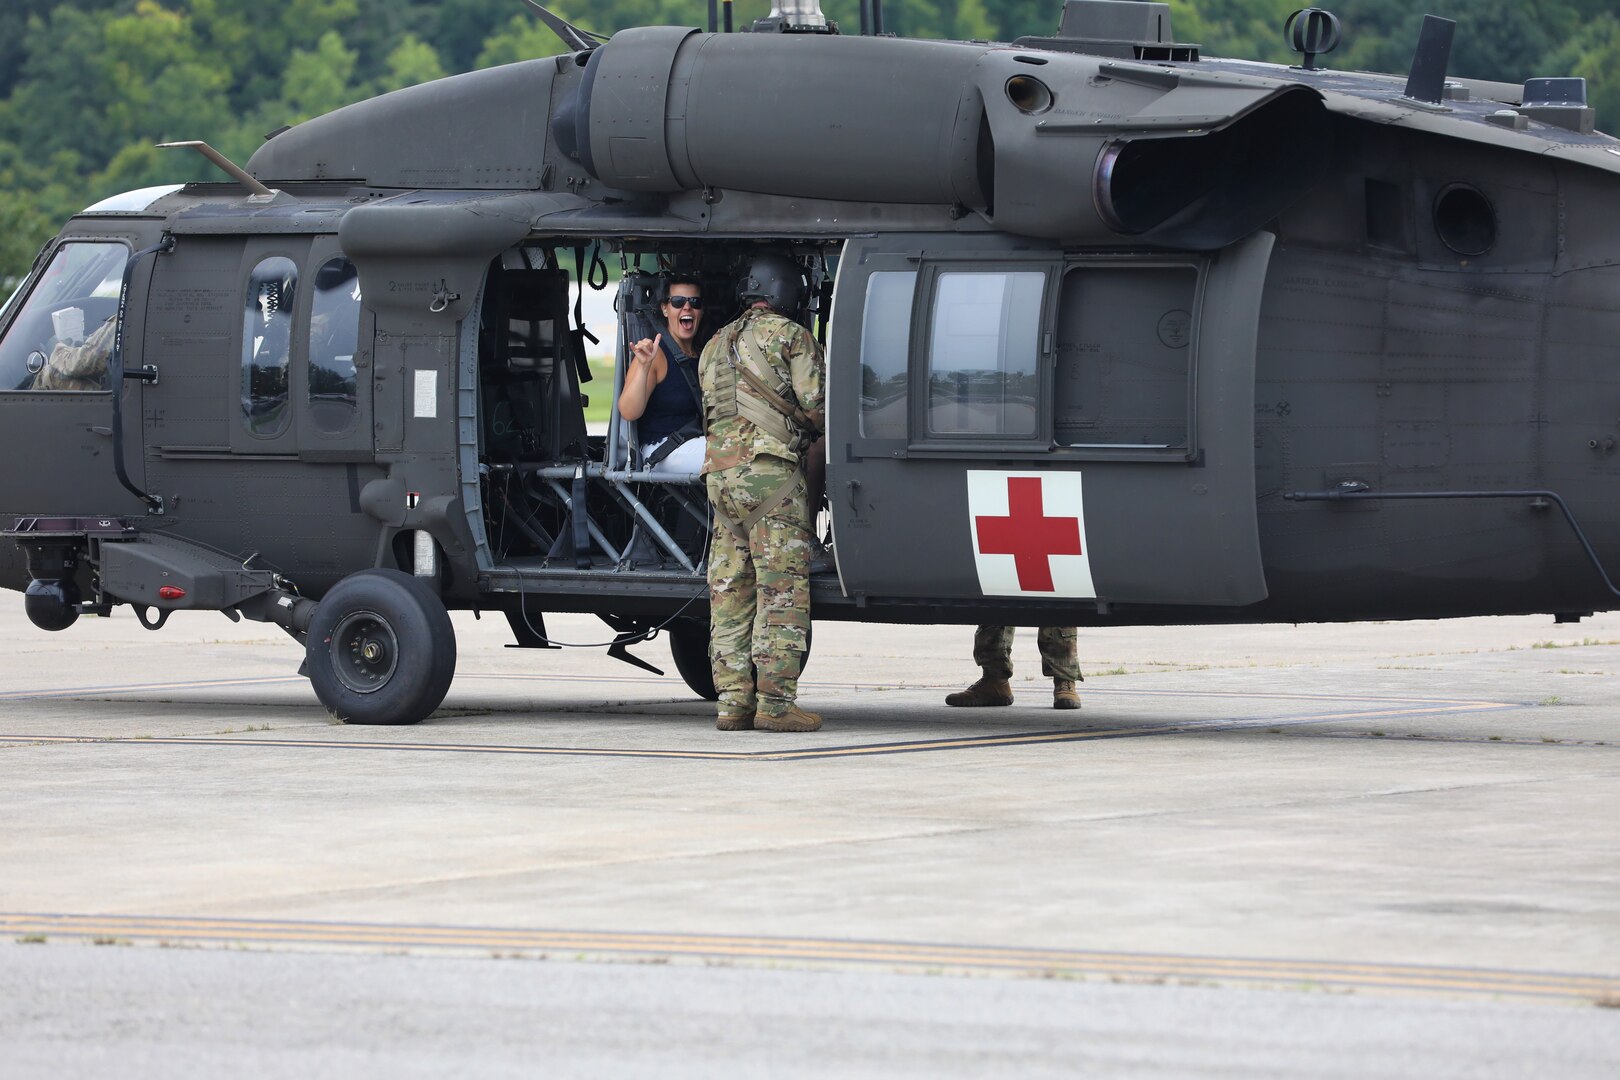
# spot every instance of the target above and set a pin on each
(334, 329)
(267, 319)
(62, 337)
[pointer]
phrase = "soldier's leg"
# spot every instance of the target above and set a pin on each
(780, 546)
(1059, 655)
(992, 651)
(1060, 663)
(731, 606)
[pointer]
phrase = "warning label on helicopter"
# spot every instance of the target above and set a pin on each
(427, 394)
(1029, 533)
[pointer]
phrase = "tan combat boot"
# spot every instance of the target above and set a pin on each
(795, 719)
(1064, 695)
(735, 721)
(986, 691)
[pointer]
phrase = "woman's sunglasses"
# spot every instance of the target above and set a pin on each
(678, 302)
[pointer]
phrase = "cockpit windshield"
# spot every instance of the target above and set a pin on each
(61, 338)
(16, 292)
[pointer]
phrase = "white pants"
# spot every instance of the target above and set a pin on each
(685, 458)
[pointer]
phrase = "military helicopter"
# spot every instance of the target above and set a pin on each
(1116, 333)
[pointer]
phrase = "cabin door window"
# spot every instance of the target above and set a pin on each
(885, 349)
(334, 333)
(1126, 344)
(984, 339)
(267, 321)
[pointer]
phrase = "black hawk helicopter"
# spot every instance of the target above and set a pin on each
(1116, 333)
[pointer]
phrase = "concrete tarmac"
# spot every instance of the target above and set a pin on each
(1312, 820)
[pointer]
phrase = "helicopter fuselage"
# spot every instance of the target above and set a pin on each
(1109, 340)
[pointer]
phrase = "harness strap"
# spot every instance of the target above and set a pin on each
(693, 427)
(781, 404)
(741, 529)
(687, 370)
(757, 409)
(580, 333)
(689, 430)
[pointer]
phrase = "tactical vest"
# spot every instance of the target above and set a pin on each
(731, 396)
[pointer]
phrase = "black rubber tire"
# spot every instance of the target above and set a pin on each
(689, 648)
(380, 649)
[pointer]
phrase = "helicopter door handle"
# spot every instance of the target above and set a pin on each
(97, 429)
(854, 486)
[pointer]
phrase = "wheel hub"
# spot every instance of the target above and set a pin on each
(365, 651)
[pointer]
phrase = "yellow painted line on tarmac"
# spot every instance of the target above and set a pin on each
(342, 744)
(801, 753)
(596, 751)
(158, 687)
(911, 956)
(518, 677)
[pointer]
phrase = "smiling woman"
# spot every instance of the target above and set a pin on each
(660, 392)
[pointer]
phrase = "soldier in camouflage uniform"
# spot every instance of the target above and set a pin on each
(79, 367)
(992, 651)
(762, 379)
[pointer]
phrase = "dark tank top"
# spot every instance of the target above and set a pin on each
(671, 404)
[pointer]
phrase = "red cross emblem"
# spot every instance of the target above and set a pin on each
(1028, 535)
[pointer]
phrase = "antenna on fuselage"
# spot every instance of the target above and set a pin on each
(575, 38)
(1426, 81)
(225, 164)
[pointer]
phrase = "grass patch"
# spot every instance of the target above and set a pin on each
(1573, 644)
(599, 390)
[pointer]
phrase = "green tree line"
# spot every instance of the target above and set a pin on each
(88, 86)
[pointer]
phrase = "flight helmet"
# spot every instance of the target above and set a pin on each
(775, 279)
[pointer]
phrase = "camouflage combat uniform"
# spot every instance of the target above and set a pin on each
(79, 367)
(759, 588)
(992, 651)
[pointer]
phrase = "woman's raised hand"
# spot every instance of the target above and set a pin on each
(644, 350)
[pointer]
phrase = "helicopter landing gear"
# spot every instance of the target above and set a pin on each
(380, 649)
(689, 648)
